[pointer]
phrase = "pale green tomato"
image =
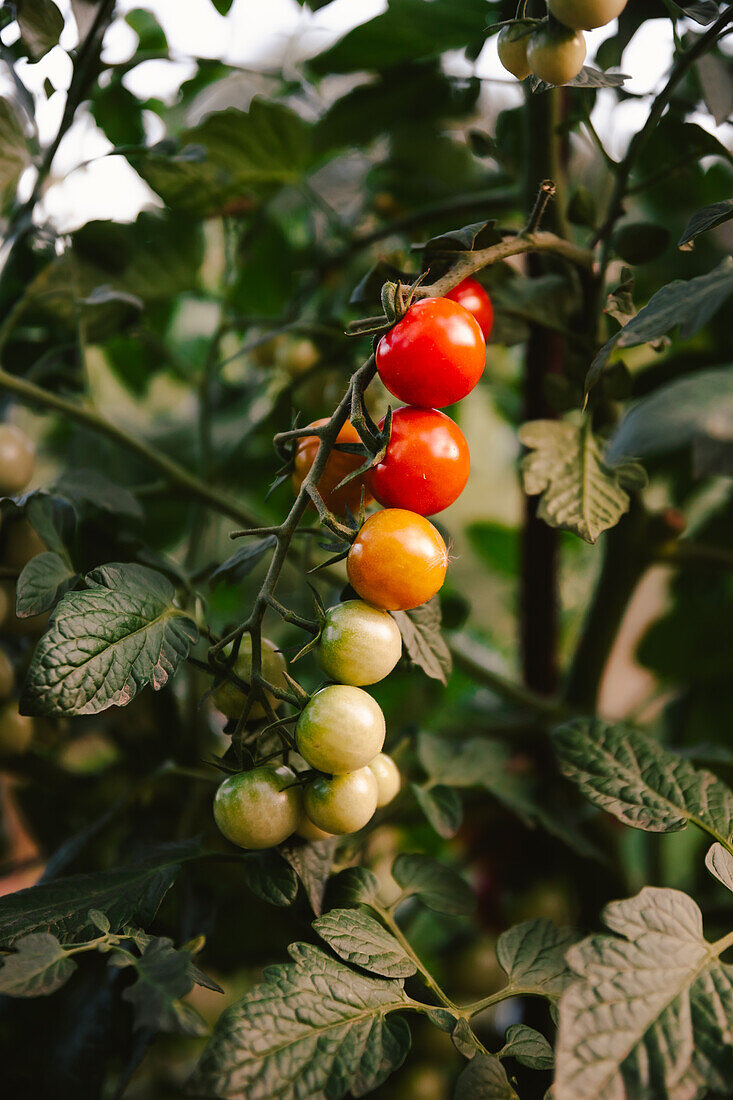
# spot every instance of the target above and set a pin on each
(388, 778)
(89, 754)
(512, 47)
(556, 55)
(340, 729)
(585, 15)
(359, 644)
(342, 804)
(17, 459)
(16, 730)
(230, 700)
(259, 809)
(7, 675)
(309, 831)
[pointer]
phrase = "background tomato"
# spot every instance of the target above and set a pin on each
(17, 458)
(434, 356)
(556, 55)
(388, 778)
(470, 294)
(586, 14)
(259, 809)
(512, 49)
(227, 696)
(398, 560)
(425, 467)
(338, 466)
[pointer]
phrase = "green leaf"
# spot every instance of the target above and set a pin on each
(635, 779)
(649, 1014)
(119, 114)
(683, 304)
(128, 895)
(435, 885)
(90, 487)
(528, 1046)
(231, 154)
(496, 545)
(312, 864)
(640, 242)
(423, 640)
(532, 955)
(702, 11)
(163, 979)
(409, 30)
(243, 560)
(580, 491)
(442, 807)
(359, 939)
(484, 1078)
(467, 239)
(40, 23)
(354, 886)
(151, 38)
(108, 641)
(708, 218)
(43, 581)
(37, 966)
(683, 412)
(269, 877)
(14, 153)
(314, 1027)
(719, 863)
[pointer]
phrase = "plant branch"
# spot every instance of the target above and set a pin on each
(471, 657)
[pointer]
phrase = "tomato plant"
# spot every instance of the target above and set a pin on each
(303, 794)
(426, 463)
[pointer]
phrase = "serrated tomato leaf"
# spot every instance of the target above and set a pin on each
(37, 965)
(43, 581)
(358, 938)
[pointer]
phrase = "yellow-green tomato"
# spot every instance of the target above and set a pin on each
(16, 730)
(342, 804)
(259, 809)
(585, 15)
(309, 831)
(227, 696)
(340, 729)
(388, 778)
(359, 644)
(512, 47)
(556, 55)
(17, 459)
(7, 676)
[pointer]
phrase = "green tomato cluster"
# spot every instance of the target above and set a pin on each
(555, 50)
(339, 734)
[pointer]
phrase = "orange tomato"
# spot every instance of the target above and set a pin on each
(398, 560)
(338, 467)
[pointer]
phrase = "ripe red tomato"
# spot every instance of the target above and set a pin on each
(339, 466)
(398, 560)
(472, 296)
(434, 356)
(425, 467)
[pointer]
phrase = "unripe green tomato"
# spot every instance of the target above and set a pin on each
(342, 804)
(259, 809)
(7, 675)
(309, 831)
(227, 696)
(585, 15)
(17, 459)
(556, 55)
(388, 778)
(359, 644)
(16, 730)
(512, 47)
(296, 355)
(89, 754)
(340, 729)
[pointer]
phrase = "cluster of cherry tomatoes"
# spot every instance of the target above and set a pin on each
(432, 357)
(554, 50)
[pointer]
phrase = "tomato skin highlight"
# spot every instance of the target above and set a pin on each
(340, 729)
(426, 464)
(472, 296)
(359, 644)
(397, 561)
(338, 466)
(260, 808)
(434, 356)
(343, 804)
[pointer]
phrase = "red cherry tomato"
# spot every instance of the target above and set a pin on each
(338, 466)
(426, 464)
(472, 296)
(397, 561)
(434, 356)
